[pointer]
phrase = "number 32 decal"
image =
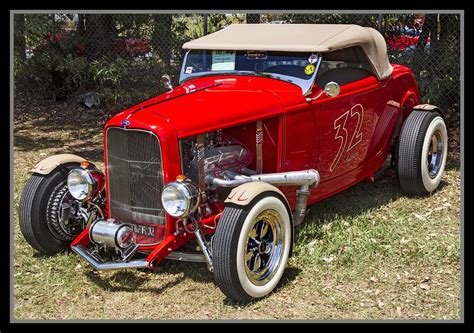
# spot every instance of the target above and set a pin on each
(342, 133)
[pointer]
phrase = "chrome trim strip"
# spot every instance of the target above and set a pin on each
(189, 257)
(313, 79)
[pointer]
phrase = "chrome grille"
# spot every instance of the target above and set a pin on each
(135, 179)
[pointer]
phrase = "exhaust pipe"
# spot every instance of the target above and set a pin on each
(305, 179)
(302, 195)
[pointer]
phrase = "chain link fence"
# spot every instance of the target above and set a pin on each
(117, 60)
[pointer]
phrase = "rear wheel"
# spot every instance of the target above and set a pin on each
(48, 215)
(422, 151)
(251, 247)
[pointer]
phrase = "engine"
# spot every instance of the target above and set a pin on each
(221, 154)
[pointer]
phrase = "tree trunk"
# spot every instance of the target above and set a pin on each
(252, 18)
(80, 25)
(100, 35)
(429, 27)
(162, 37)
(19, 36)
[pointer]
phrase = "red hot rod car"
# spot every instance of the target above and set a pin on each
(267, 119)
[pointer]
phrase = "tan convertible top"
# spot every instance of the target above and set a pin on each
(299, 38)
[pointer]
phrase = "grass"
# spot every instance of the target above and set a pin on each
(369, 252)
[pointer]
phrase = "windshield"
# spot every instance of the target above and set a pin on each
(299, 68)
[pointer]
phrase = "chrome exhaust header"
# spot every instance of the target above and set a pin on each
(306, 179)
(109, 234)
(100, 265)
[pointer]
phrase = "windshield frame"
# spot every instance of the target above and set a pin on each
(305, 85)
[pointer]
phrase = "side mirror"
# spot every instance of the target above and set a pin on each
(166, 82)
(332, 89)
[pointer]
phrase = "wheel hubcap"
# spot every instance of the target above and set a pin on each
(263, 252)
(435, 154)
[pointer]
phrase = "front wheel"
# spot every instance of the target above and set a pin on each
(422, 152)
(251, 247)
(48, 215)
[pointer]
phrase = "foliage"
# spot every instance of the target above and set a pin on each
(49, 64)
(437, 66)
(36, 28)
(50, 75)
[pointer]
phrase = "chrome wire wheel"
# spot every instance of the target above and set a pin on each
(435, 154)
(264, 247)
(64, 219)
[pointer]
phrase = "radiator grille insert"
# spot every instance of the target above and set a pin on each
(135, 180)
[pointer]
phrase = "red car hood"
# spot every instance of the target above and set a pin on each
(209, 103)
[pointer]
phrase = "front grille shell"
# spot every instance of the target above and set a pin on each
(135, 180)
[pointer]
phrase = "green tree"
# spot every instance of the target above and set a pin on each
(162, 36)
(19, 36)
(253, 18)
(100, 33)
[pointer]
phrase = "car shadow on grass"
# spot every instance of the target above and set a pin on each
(289, 275)
(132, 280)
(128, 281)
(196, 271)
(356, 200)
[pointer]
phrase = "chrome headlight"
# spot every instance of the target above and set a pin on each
(180, 198)
(81, 184)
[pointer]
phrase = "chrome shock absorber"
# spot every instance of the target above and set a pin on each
(203, 244)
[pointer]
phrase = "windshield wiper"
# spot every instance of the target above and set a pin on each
(263, 74)
(228, 73)
(266, 74)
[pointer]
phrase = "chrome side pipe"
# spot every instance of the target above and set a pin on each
(306, 179)
(99, 265)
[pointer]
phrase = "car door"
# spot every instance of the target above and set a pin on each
(345, 122)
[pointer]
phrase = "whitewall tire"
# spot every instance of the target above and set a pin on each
(251, 247)
(422, 152)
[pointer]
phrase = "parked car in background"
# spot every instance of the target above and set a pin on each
(405, 37)
(267, 119)
(131, 47)
(405, 42)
